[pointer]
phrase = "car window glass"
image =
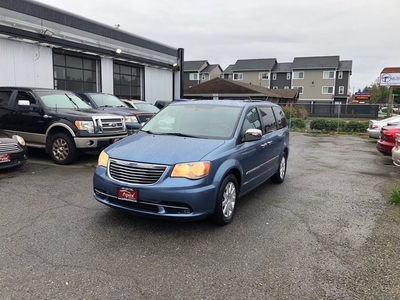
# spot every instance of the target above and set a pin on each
(4, 97)
(280, 117)
(251, 120)
(24, 96)
(268, 118)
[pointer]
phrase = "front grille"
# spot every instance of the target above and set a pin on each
(110, 125)
(9, 148)
(135, 173)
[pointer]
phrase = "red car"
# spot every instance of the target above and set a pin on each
(387, 139)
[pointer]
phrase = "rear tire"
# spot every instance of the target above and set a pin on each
(226, 202)
(280, 175)
(62, 149)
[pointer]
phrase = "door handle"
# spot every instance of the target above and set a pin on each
(266, 144)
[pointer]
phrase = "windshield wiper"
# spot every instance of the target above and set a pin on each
(70, 99)
(180, 134)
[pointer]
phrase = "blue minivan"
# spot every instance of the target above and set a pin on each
(194, 159)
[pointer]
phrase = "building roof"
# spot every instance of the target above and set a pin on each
(228, 69)
(282, 68)
(254, 64)
(210, 68)
(317, 62)
(345, 65)
(391, 70)
(195, 65)
(222, 86)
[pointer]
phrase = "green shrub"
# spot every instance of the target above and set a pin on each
(356, 126)
(298, 123)
(295, 112)
(339, 125)
(318, 124)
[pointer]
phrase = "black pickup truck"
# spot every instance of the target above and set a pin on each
(58, 121)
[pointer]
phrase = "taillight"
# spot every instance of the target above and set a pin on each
(374, 126)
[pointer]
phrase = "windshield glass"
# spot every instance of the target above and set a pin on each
(205, 121)
(62, 100)
(105, 100)
(147, 107)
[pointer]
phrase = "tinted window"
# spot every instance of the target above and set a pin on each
(252, 120)
(268, 118)
(4, 96)
(280, 117)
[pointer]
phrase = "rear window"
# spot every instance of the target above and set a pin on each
(280, 117)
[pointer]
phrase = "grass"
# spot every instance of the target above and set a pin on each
(395, 197)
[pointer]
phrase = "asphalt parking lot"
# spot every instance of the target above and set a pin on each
(327, 232)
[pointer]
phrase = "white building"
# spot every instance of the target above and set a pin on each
(42, 46)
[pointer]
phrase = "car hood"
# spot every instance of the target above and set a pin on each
(79, 112)
(6, 138)
(162, 149)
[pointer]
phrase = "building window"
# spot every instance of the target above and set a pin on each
(341, 90)
(238, 76)
(274, 76)
(203, 76)
(194, 76)
(263, 76)
(340, 75)
(287, 76)
(275, 88)
(298, 75)
(300, 88)
(327, 90)
(286, 87)
(127, 83)
(329, 75)
(74, 73)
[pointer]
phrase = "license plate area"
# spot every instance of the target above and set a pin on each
(127, 194)
(5, 158)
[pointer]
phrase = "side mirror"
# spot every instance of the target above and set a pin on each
(26, 106)
(252, 135)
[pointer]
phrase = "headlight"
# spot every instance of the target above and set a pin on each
(20, 140)
(192, 170)
(103, 159)
(85, 125)
(131, 119)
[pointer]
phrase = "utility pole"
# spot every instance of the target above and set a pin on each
(390, 102)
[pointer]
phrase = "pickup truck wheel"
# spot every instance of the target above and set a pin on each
(63, 150)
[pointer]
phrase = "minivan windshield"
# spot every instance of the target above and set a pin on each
(62, 99)
(195, 120)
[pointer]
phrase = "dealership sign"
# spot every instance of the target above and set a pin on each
(362, 96)
(390, 79)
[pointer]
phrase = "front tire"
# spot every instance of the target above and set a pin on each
(62, 149)
(280, 175)
(226, 202)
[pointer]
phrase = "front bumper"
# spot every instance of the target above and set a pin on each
(170, 198)
(96, 142)
(17, 160)
(396, 156)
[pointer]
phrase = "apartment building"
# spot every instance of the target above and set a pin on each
(196, 72)
(319, 79)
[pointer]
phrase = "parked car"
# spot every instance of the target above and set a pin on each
(134, 118)
(58, 121)
(141, 105)
(387, 139)
(13, 150)
(396, 151)
(197, 158)
(374, 128)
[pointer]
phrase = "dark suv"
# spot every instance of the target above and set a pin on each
(134, 118)
(58, 121)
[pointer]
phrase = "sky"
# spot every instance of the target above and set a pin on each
(222, 31)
